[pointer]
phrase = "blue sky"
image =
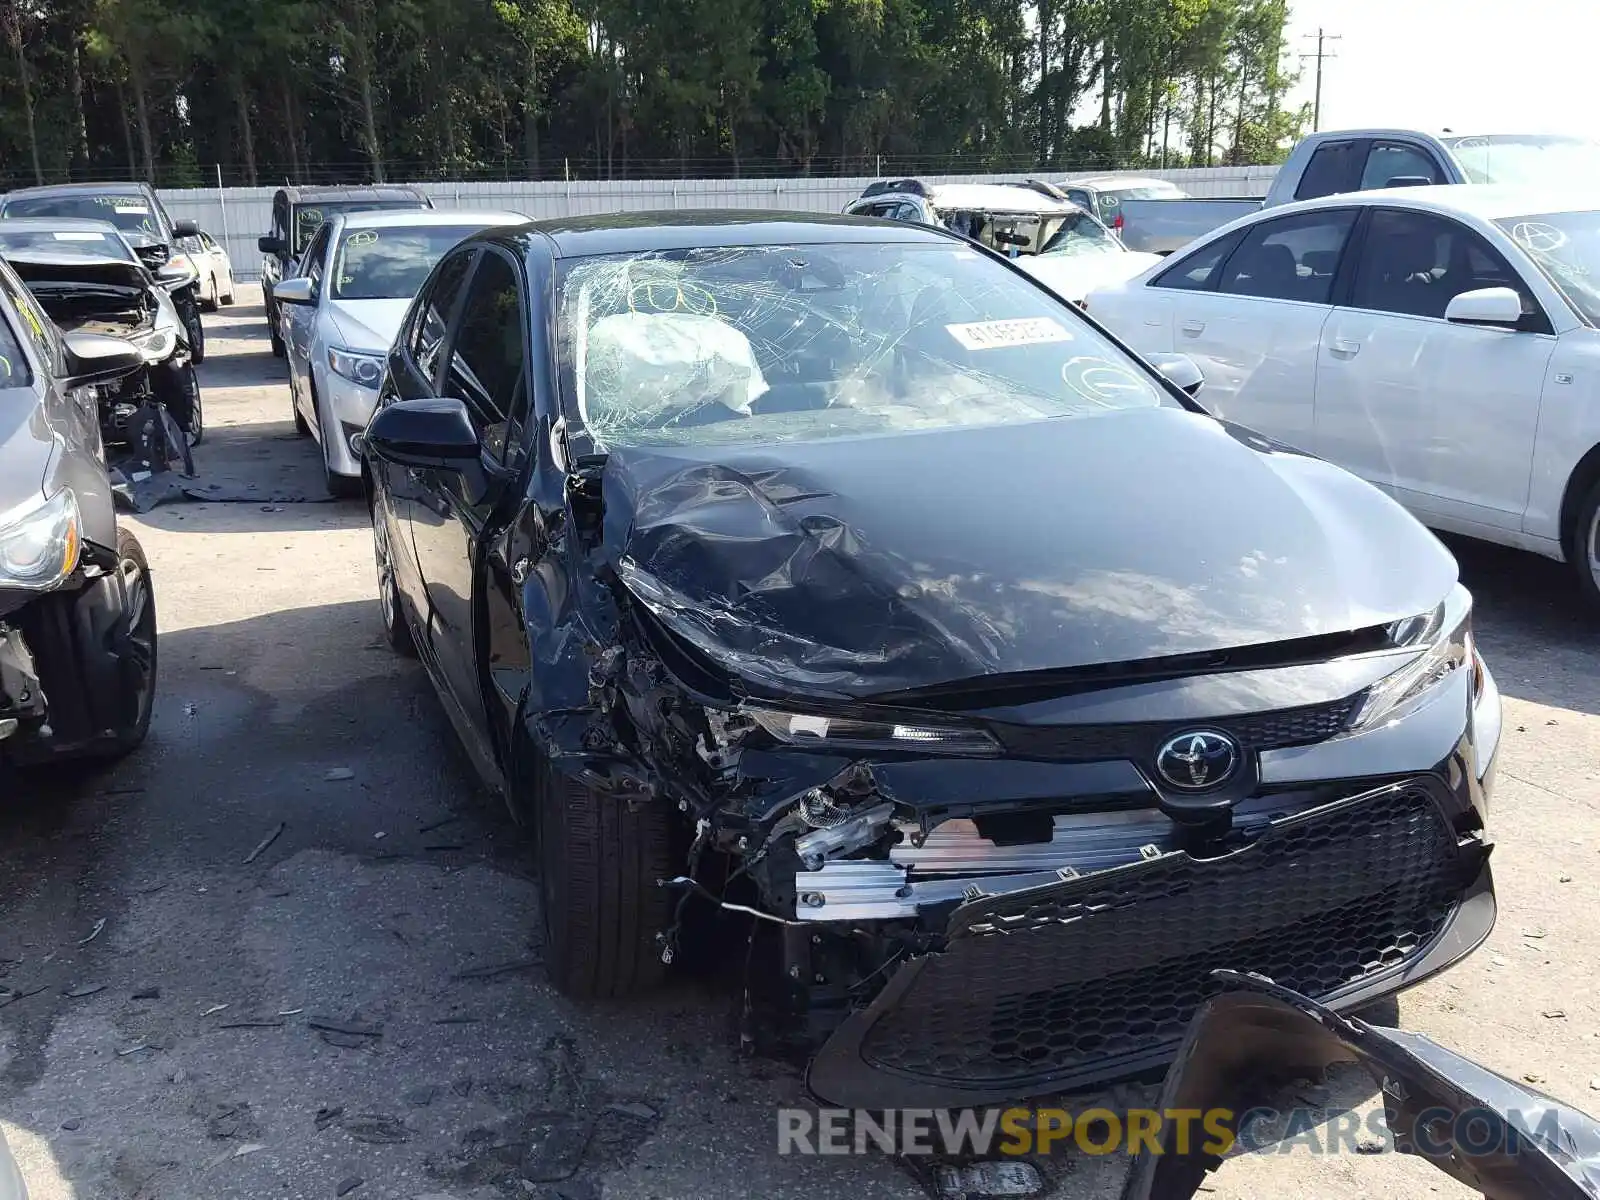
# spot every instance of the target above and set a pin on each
(1469, 65)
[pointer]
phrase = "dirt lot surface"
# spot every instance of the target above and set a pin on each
(358, 1010)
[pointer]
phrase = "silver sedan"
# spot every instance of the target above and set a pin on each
(340, 312)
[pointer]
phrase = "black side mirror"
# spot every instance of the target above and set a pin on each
(183, 229)
(95, 358)
(1179, 370)
(437, 434)
(272, 244)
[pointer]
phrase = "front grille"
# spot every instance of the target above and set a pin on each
(1138, 741)
(1055, 983)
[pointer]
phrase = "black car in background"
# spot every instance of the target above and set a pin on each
(297, 212)
(136, 210)
(834, 573)
(77, 613)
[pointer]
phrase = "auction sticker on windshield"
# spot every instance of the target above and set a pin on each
(77, 237)
(994, 335)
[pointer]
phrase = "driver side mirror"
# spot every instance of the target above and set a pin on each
(183, 229)
(436, 434)
(299, 290)
(272, 244)
(95, 358)
(1179, 370)
(1498, 307)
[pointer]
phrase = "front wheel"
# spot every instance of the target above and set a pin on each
(599, 862)
(134, 648)
(1585, 549)
(196, 331)
(395, 630)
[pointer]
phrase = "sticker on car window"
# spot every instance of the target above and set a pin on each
(78, 237)
(1103, 382)
(135, 210)
(362, 237)
(994, 335)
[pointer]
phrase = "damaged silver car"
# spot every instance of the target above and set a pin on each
(835, 575)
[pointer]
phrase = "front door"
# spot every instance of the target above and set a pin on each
(486, 369)
(1443, 416)
(298, 323)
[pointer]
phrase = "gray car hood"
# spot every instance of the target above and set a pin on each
(368, 324)
(863, 566)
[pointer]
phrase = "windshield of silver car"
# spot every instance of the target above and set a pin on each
(67, 243)
(1566, 247)
(390, 263)
(770, 344)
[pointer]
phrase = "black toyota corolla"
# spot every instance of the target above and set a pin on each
(833, 573)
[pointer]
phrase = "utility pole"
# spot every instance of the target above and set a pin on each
(1316, 103)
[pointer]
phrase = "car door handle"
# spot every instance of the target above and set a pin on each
(1344, 348)
(1193, 328)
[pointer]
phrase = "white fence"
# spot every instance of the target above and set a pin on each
(237, 216)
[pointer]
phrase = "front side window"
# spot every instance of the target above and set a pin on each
(433, 319)
(391, 263)
(1415, 263)
(1390, 161)
(1566, 247)
(771, 344)
(488, 362)
(1291, 258)
(14, 372)
(311, 265)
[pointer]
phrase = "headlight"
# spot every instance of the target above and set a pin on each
(363, 369)
(827, 733)
(156, 343)
(39, 548)
(1446, 636)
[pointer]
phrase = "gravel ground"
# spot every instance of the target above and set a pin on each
(355, 1008)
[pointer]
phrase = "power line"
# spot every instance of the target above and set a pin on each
(1316, 104)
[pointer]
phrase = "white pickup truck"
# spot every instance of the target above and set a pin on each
(1358, 160)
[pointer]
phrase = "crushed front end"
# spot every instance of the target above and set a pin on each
(1000, 892)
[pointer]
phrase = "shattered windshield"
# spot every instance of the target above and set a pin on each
(1081, 234)
(769, 344)
(1566, 247)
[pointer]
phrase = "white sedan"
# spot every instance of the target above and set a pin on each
(341, 310)
(1441, 342)
(214, 266)
(1081, 255)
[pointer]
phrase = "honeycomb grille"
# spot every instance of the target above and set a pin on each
(1028, 990)
(1138, 740)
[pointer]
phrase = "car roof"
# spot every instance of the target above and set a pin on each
(63, 224)
(995, 197)
(1486, 201)
(325, 195)
(687, 229)
(75, 189)
(383, 219)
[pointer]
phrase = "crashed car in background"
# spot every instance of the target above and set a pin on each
(88, 279)
(834, 573)
(77, 613)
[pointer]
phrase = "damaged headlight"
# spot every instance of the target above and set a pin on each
(828, 732)
(39, 547)
(156, 344)
(1446, 634)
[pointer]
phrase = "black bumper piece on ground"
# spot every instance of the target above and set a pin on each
(1095, 979)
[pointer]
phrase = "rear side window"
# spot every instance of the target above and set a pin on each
(1391, 161)
(1332, 169)
(1197, 271)
(1292, 258)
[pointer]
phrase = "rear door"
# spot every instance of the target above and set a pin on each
(1443, 416)
(1254, 330)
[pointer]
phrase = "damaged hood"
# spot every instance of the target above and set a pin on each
(855, 567)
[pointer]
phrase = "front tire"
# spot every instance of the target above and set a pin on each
(599, 862)
(135, 651)
(395, 630)
(278, 349)
(1585, 549)
(196, 331)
